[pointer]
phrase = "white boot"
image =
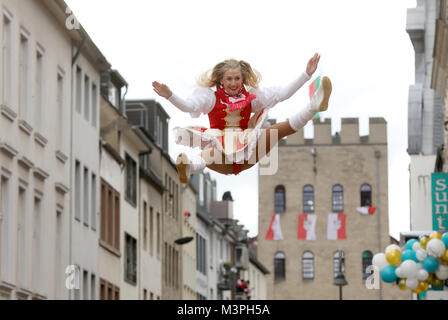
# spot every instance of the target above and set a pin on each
(319, 102)
(189, 164)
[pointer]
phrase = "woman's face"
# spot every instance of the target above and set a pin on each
(232, 81)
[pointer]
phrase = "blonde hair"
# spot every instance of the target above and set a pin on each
(211, 78)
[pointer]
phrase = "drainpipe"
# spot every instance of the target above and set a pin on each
(378, 205)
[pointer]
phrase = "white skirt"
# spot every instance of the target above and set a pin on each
(236, 144)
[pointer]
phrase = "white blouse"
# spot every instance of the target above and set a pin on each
(203, 99)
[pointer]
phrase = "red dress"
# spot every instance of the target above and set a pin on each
(232, 129)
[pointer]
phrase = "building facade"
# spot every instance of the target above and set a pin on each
(315, 194)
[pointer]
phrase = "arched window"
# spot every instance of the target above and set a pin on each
(338, 198)
(279, 199)
(367, 257)
(366, 195)
(338, 263)
(279, 266)
(308, 199)
(308, 265)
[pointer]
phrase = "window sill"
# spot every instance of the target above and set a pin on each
(109, 248)
(8, 113)
(130, 282)
(134, 204)
(61, 156)
(26, 163)
(8, 150)
(40, 139)
(40, 174)
(25, 127)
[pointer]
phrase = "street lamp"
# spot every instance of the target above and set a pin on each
(339, 280)
(182, 241)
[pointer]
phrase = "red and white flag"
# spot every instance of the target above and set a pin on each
(366, 210)
(307, 227)
(275, 230)
(336, 226)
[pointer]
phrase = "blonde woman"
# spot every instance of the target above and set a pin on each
(239, 134)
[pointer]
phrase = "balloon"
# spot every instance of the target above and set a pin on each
(393, 256)
(422, 275)
(445, 239)
(412, 283)
(409, 255)
(380, 261)
(435, 248)
(399, 272)
(409, 269)
(423, 242)
(437, 283)
(442, 272)
(416, 246)
(444, 257)
(421, 254)
(423, 285)
(417, 291)
(391, 247)
(430, 264)
(402, 284)
(388, 274)
(410, 243)
(435, 235)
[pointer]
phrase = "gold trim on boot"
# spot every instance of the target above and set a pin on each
(183, 168)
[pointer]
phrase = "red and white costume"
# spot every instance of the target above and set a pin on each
(236, 122)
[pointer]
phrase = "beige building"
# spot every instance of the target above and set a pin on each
(188, 215)
(321, 177)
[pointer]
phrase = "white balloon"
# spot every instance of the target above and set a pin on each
(380, 261)
(416, 246)
(392, 246)
(422, 275)
(411, 283)
(409, 269)
(435, 248)
(442, 272)
(399, 272)
(421, 254)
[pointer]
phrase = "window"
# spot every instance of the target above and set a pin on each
(367, 257)
(145, 294)
(60, 110)
(38, 89)
(59, 266)
(145, 225)
(366, 195)
(201, 189)
(85, 285)
(201, 254)
(4, 221)
(131, 180)
(86, 196)
(86, 98)
(151, 232)
(78, 89)
(279, 199)
(37, 239)
(78, 191)
(338, 198)
(94, 105)
(22, 234)
(308, 265)
(108, 291)
(92, 287)
(158, 235)
(308, 199)
(130, 267)
(338, 263)
(279, 266)
(23, 75)
(93, 201)
(6, 59)
(110, 217)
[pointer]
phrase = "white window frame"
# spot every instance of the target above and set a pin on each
(39, 89)
(24, 75)
(6, 46)
(60, 103)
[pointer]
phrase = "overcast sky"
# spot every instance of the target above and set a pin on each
(364, 48)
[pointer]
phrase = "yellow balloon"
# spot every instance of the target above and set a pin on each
(437, 283)
(430, 277)
(423, 242)
(417, 291)
(393, 257)
(423, 285)
(444, 257)
(435, 235)
(402, 284)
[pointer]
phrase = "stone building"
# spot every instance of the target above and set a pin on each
(327, 178)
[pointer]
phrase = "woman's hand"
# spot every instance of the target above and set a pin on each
(162, 89)
(312, 64)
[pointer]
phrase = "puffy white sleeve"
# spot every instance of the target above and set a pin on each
(269, 97)
(201, 101)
